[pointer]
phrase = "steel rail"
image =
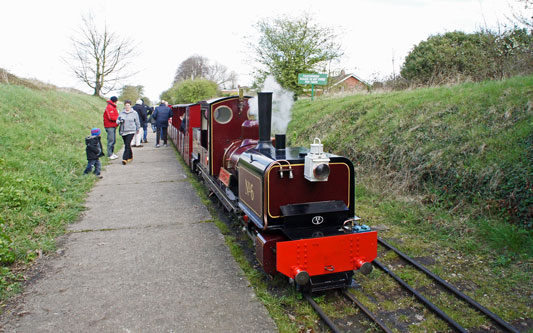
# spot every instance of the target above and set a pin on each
(363, 308)
(424, 300)
(321, 313)
(451, 288)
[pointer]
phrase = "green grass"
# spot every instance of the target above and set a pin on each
(447, 173)
(42, 157)
(467, 143)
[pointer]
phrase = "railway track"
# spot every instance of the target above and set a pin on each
(428, 304)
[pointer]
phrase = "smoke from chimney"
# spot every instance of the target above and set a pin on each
(282, 101)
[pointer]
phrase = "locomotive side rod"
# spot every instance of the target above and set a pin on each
(321, 313)
(366, 311)
(424, 300)
(451, 288)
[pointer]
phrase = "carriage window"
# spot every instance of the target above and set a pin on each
(223, 114)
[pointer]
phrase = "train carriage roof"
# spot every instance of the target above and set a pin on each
(182, 105)
(220, 99)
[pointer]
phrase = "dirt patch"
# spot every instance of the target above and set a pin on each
(425, 261)
(31, 274)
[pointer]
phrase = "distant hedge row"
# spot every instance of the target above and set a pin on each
(458, 56)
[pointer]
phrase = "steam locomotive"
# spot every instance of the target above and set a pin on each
(297, 204)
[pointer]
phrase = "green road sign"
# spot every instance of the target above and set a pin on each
(319, 79)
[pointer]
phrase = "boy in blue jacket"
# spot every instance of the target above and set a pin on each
(94, 151)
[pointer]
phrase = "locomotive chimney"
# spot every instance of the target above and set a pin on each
(265, 120)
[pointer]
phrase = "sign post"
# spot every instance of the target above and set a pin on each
(312, 79)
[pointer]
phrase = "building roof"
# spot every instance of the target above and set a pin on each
(347, 76)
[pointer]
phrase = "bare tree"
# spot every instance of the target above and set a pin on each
(219, 74)
(99, 58)
(194, 67)
(521, 18)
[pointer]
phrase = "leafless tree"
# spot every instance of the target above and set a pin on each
(525, 20)
(196, 67)
(219, 74)
(100, 58)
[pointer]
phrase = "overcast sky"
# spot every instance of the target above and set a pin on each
(34, 34)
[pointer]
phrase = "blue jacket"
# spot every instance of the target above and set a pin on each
(161, 115)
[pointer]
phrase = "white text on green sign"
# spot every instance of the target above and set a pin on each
(320, 79)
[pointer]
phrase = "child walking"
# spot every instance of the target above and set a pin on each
(94, 151)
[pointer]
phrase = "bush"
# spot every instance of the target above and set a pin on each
(190, 91)
(457, 56)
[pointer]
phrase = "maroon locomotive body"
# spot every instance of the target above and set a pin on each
(297, 204)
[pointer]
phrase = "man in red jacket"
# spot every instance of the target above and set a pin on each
(110, 124)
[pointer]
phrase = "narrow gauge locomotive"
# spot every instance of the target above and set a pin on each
(297, 204)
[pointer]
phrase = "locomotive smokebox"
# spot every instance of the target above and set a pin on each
(265, 120)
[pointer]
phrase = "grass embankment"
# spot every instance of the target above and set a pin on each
(446, 173)
(42, 157)
(468, 148)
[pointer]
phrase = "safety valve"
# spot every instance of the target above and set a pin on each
(316, 163)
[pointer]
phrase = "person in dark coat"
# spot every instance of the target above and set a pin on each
(147, 111)
(137, 138)
(161, 115)
(94, 151)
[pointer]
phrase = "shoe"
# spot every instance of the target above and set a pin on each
(165, 145)
(129, 160)
(145, 141)
(134, 145)
(124, 162)
(140, 146)
(99, 176)
(113, 157)
(158, 145)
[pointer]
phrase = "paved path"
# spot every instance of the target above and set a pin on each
(144, 258)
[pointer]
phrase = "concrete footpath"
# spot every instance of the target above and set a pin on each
(143, 258)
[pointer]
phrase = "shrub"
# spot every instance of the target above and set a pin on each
(477, 56)
(191, 91)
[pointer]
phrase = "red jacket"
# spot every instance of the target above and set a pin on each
(110, 115)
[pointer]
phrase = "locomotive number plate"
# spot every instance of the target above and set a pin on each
(251, 191)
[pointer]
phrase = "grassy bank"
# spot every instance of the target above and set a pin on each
(42, 156)
(444, 173)
(467, 147)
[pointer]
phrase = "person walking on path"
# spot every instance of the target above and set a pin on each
(147, 111)
(161, 115)
(94, 151)
(137, 137)
(152, 120)
(129, 125)
(110, 125)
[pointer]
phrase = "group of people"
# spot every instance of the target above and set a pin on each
(133, 124)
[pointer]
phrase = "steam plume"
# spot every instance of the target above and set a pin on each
(282, 101)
